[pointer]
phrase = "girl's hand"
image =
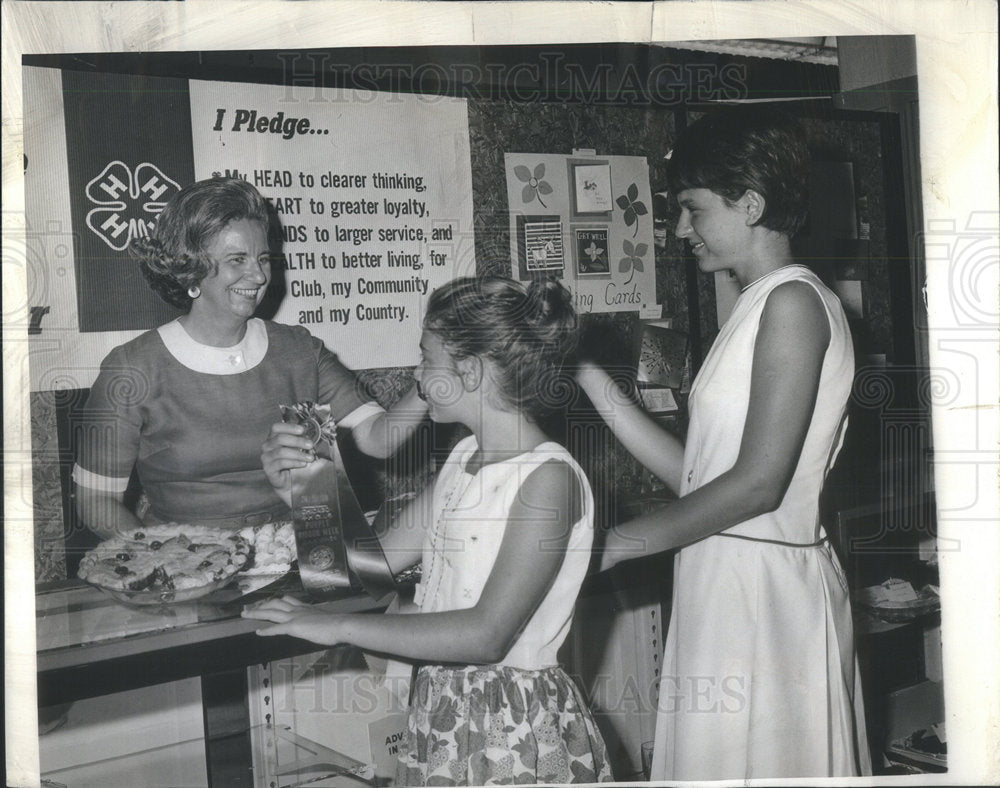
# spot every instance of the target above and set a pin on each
(285, 448)
(278, 610)
(295, 618)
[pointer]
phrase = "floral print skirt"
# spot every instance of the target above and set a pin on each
(498, 725)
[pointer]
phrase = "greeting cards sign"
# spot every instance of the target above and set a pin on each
(588, 221)
(372, 192)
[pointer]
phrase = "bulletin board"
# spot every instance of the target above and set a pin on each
(372, 191)
(587, 220)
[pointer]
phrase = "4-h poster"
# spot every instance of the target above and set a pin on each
(587, 220)
(373, 192)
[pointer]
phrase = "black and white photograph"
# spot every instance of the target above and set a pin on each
(441, 393)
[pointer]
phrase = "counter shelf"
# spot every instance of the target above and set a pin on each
(298, 761)
(89, 644)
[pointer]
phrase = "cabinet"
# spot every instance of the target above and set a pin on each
(614, 651)
(164, 691)
(898, 631)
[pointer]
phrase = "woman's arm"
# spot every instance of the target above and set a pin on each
(382, 432)
(285, 449)
(654, 447)
(788, 359)
(107, 433)
(103, 512)
(380, 435)
(531, 553)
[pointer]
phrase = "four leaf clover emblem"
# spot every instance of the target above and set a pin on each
(126, 202)
(632, 261)
(633, 207)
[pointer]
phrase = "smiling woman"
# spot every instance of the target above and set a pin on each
(755, 571)
(231, 294)
(188, 405)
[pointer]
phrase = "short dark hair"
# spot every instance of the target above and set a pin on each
(732, 150)
(526, 331)
(173, 257)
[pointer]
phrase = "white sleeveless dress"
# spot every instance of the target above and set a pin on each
(521, 720)
(759, 671)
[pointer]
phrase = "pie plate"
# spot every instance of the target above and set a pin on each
(165, 596)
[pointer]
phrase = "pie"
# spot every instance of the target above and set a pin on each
(165, 558)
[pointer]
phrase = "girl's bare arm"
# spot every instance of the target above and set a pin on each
(531, 553)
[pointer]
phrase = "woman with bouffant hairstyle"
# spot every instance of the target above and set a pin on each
(174, 259)
(188, 405)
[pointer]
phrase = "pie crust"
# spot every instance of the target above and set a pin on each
(165, 558)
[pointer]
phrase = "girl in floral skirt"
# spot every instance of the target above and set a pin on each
(505, 536)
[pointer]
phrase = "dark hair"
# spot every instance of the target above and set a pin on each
(526, 331)
(732, 150)
(173, 257)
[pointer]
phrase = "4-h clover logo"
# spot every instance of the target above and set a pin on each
(128, 202)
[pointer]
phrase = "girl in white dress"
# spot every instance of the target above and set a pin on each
(505, 536)
(759, 675)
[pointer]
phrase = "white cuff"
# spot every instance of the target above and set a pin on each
(360, 415)
(94, 481)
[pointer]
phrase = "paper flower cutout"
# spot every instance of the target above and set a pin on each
(633, 207)
(534, 186)
(632, 261)
(593, 251)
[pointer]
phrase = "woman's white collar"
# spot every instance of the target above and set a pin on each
(245, 355)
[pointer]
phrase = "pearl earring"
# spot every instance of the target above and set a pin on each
(194, 291)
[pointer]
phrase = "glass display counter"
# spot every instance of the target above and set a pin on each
(90, 645)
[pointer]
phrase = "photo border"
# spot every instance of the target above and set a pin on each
(956, 63)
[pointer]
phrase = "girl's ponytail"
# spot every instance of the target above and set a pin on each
(551, 314)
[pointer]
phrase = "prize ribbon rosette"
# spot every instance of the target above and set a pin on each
(336, 547)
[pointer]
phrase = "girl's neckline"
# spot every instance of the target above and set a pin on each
(474, 450)
(762, 277)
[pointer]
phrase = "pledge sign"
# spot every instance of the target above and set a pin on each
(248, 120)
(374, 194)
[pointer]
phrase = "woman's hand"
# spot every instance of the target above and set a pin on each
(285, 448)
(295, 618)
